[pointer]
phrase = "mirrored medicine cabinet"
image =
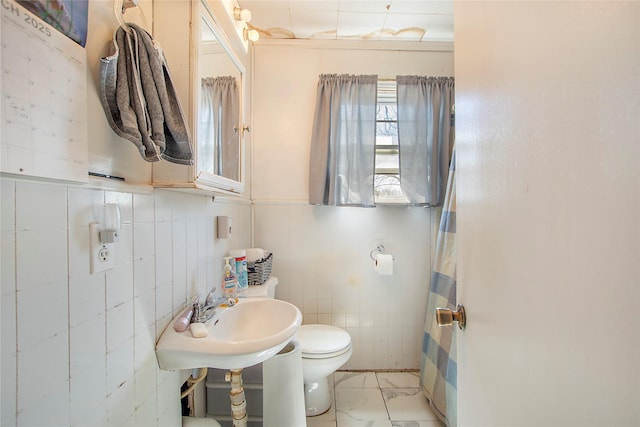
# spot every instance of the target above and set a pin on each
(213, 79)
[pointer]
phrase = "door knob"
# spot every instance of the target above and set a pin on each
(446, 316)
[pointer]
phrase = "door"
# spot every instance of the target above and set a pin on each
(548, 212)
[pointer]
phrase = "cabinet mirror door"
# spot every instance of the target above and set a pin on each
(219, 84)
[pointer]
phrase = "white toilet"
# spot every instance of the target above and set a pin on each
(324, 349)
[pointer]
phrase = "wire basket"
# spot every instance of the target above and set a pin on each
(259, 271)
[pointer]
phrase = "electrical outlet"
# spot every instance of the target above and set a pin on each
(101, 254)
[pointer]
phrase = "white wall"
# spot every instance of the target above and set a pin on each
(284, 99)
(78, 349)
(108, 153)
(321, 254)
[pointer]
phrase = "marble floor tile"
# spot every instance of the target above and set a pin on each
(398, 379)
(315, 422)
(326, 419)
(417, 424)
(376, 399)
(355, 380)
(360, 404)
(348, 420)
(330, 415)
(407, 404)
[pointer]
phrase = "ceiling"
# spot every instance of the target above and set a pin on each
(402, 20)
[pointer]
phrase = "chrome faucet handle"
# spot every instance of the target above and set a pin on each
(210, 298)
(204, 312)
(196, 311)
(196, 301)
(197, 307)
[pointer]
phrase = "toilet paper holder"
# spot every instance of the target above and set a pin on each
(379, 248)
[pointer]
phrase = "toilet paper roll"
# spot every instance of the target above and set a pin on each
(383, 264)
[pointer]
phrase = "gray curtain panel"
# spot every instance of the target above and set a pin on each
(342, 168)
(218, 127)
(425, 135)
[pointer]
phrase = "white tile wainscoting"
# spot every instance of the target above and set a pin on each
(78, 348)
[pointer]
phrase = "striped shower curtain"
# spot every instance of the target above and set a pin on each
(438, 370)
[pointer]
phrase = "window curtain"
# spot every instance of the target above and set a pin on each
(218, 126)
(425, 135)
(342, 165)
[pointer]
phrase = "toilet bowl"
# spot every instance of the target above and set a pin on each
(324, 349)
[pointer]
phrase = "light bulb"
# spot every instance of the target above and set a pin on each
(242, 14)
(251, 35)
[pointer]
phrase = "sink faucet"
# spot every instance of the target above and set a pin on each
(204, 312)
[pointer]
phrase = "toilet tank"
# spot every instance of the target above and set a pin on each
(266, 290)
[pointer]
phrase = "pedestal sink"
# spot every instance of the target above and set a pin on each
(250, 332)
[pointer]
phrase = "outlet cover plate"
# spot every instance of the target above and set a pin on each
(101, 257)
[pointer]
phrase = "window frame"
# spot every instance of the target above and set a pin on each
(387, 95)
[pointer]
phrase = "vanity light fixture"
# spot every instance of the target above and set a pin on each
(251, 35)
(242, 14)
(102, 236)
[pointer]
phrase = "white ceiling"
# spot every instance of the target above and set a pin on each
(405, 20)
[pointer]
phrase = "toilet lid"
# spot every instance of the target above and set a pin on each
(323, 339)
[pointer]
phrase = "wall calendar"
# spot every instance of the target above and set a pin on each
(44, 90)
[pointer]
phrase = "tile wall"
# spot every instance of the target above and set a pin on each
(78, 348)
(321, 258)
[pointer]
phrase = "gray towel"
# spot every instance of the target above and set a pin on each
(139, 98)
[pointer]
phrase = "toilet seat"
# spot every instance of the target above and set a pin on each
(323, 341)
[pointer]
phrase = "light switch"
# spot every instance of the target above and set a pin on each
(224, 227)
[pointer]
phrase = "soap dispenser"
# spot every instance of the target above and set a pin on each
(229, 281)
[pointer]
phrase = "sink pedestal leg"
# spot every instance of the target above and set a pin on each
(238, 402)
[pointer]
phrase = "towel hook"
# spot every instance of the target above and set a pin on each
(119, 7)
(379, 248)
(126, 4)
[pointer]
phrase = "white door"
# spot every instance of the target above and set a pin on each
(548, 212)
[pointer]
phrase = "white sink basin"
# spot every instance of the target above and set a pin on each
(244, 335)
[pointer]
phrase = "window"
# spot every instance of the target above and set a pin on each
(387, 158)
